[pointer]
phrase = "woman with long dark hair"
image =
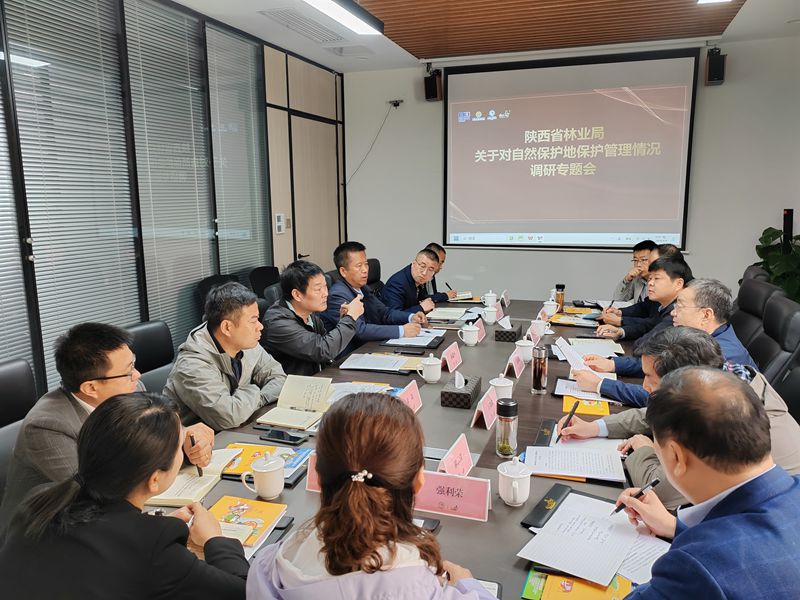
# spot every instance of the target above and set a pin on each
(87, 537)
(363, 542)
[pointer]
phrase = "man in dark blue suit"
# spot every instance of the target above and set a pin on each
(379, 322)
(431, 287)
(405, 290)
(739, 539)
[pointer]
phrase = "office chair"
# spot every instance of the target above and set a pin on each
(8, 438)
(17, 390)
(750, 303)
(152, 345)
(374, 278)
(273, 293)
(209, 283)
(261, 277)
(778, 344)
(789, 389)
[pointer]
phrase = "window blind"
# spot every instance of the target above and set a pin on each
(14, 333)
(235, 79)
(166, 59)
(67, 89)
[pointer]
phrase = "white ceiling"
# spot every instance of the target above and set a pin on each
(371, 52)
(757, 19)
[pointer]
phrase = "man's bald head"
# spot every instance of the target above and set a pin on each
(713, 414)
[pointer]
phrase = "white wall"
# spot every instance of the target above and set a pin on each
(745, 169)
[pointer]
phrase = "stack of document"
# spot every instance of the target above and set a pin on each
(389, 363)
(446, 314)
(598, 460)
(568, 387)
(584, 539)
(425, 337)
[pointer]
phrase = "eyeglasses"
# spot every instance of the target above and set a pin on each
(680, 306)
(426, 269)
(640, 261)
(128, 375)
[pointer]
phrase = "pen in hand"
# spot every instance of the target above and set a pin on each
(199, 470)
(638, 494)
(569, 418)
(448, 285)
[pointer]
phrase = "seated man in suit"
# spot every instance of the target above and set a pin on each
(431, 288)
(666, 352)
(222, 375)
(95, 362)
(667, 277)
(705, 304)
(739, 540)
(634, 285)
(405, 290)
(379, 322)
(293, 329)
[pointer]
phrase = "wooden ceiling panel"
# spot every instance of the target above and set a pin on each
(440, 28)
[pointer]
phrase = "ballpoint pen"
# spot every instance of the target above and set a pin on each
(199, 470)
(638, 494)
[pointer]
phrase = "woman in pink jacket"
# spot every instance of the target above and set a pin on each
(363, 542)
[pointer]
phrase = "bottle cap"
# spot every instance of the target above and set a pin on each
(506, 407)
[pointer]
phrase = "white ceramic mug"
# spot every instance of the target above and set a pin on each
(539, 327)
(489, 298)
(468, 334)
(502, 386)
(550, 308)
(490, 314)
(525, 349)
(267, 474)
(430, 369)
(514, 482)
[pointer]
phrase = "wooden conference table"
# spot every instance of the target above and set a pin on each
(487, 549)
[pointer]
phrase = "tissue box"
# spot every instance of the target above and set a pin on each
(508, 335)
(463, 398)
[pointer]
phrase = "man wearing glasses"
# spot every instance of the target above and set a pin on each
(95, 362)
(406, 289)
(634, 285)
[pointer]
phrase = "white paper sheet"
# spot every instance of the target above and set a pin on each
(592, 463)
(574, 359)
(421, 341)
(373, 362)
(617, 303)
(590, 546)
(505, 322)
(340, 390)
(585, 346)
(558, 353)
(638, 564)
(567, 387)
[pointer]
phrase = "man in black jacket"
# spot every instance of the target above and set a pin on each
(293, 331)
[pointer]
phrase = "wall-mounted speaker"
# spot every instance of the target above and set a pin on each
(715, 67)
(433, 86)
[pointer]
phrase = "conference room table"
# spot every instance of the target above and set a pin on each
(488, 549)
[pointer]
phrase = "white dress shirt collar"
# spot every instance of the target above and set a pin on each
(693, 515)
(89, 408)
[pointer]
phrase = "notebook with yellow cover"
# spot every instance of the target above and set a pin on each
(301, 402)
(586, 407)
(571, 588)
(293, 458)
(189, 487)
(259, 515)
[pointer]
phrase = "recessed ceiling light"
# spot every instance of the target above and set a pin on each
(349, 14)
(712, 1)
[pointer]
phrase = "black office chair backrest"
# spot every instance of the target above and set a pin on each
(755, 272)
(17, 390)
(152, 345)
(209, 283)
(374, 278)
(750, 304)
(273, 293)
(261, 277)
(8, 437)
(328, 280)
(779, 343)
(789, 389)
(333, 275)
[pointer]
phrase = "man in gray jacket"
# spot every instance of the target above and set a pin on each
(666, 352)
(293, 330)
(95, 363)
(633, 286)
(222, 375)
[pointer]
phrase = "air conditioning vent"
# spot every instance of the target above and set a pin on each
(299, 23)
(349, 51)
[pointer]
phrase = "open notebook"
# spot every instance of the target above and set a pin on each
(189, 487)
(301, 402)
